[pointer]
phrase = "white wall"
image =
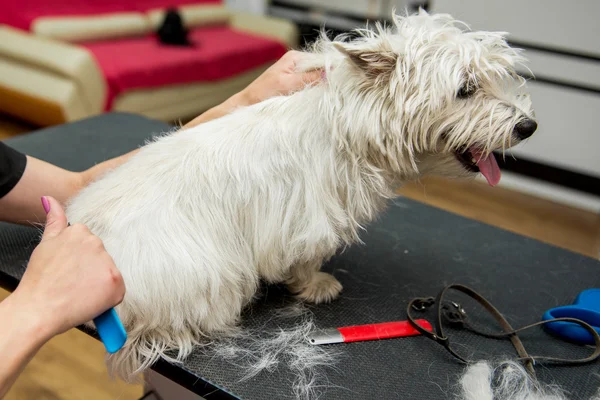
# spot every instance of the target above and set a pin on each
(250, 6)
(365, 8)
(569, 24)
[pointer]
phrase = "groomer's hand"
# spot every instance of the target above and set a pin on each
(280, 78)
(70, 279)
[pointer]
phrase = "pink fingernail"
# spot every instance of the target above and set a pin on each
(46, 204)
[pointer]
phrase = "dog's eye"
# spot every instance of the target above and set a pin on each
(467, 90)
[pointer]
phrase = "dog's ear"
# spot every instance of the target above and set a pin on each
(375, 64)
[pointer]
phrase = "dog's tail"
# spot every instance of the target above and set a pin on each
(144, 347)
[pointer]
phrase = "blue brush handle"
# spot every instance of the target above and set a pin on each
(111, 330)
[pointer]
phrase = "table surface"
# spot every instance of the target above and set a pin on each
(412, 251)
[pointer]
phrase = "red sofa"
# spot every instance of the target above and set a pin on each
(65, 60)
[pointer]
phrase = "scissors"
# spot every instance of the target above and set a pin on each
(586, 308)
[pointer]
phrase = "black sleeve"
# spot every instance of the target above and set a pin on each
(12, 166)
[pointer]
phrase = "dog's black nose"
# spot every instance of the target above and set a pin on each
(525, 128)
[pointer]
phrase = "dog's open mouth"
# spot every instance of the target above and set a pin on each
(475, 160)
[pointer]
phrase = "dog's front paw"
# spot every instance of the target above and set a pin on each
(323, 288)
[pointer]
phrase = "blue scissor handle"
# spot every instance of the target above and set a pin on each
(111, 330)
(586, 308)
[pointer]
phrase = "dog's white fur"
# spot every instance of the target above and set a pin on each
(197, 218)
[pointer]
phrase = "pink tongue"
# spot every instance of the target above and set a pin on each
(487, 165)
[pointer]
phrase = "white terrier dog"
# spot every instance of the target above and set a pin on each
(197, 219)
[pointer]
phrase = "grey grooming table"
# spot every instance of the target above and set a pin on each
(413, 251)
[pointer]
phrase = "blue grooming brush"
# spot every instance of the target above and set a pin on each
(111, 330)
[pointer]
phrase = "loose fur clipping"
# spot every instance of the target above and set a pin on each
(507, 380)
(256, 351)
(198, 219)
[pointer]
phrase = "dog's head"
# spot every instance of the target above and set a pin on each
(430, 97)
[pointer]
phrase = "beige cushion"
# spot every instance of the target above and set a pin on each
(85, 28)
(58, 59)
(38, 96)
(193, 16)
(184, 101)
(278, 29)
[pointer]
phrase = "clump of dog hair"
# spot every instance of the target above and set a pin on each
(256, 351)
(507, 380)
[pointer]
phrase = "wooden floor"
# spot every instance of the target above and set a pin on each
(10, 127)
(546, 221)
(71, 366)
